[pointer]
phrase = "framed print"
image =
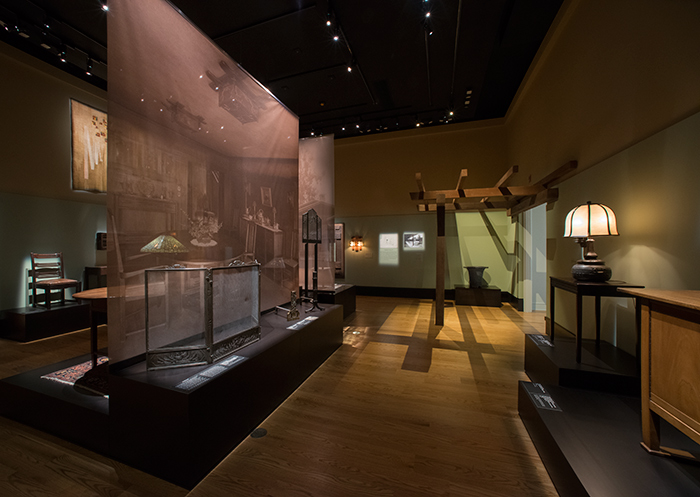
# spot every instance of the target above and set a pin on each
(266, 194)
(414, 241)
(89, 147)
(339, 250)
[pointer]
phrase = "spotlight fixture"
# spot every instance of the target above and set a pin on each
(105, 7)
(88, 67)
(336, 37)
(62, 55)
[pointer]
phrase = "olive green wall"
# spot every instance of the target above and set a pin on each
(38, 210)
(416, 268)
(488, 239)
(609, 75)
(37, 224)
(471, 239)
(618, 89)
(615, 86)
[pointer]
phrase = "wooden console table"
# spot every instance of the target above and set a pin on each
(670, 334)
(581, 289)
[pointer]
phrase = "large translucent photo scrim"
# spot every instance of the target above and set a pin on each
(236, 302)
(198, 151)
(317, 192)
(176, 308)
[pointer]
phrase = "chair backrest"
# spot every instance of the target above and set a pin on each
(47, 266)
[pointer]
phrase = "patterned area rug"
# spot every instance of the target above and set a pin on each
(71, 375)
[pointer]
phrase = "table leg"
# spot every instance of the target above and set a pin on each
(638, 325)
(650, 420)
(579, 322)
(551, 312)
(597, 321)
(93, 337)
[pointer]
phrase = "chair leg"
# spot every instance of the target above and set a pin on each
(47, 298)
(63, 296)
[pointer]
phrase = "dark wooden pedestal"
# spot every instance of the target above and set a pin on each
(485, 296)
(589, 443)
(181, 435)
(344, 295)
(603, 367)
(177, 434)
(27, 324)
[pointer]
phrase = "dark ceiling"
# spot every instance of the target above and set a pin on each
(463, 62)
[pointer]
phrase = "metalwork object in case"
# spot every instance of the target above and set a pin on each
(196, 316)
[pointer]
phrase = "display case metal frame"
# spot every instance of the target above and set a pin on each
(211, 351)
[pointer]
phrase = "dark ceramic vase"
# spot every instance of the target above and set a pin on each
(476, 276)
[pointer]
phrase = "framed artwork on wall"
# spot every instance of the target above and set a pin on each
(339, 250)
(88, 147)
(266, 194)
(414, 241)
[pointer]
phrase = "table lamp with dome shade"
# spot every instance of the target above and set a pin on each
(583, 223)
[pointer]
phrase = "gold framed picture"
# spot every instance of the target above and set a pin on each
(89, 147)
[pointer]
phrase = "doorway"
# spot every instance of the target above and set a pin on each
(535, 259)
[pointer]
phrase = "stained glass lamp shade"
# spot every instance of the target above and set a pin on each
(165, 244)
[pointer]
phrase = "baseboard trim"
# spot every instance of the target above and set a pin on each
(425, 293)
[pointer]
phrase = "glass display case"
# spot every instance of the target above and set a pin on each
(196, 316)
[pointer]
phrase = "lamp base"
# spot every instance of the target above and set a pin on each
(591, 270)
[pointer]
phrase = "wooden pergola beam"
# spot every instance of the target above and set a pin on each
(419, 181)
(545, 197)
(462, 181)
(558, 175)
(509, 173)
(503, 191)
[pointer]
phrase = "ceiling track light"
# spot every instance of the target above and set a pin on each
(105, 7)
(88, 67)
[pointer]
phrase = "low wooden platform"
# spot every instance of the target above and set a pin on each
(590, 445)
(344, 295)
(605, 368)
(484, 296)
(26, 324)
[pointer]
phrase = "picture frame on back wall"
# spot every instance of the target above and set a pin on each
(88, 148)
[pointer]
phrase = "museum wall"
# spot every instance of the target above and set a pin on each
(36, 224)
(375, 174)
(471, 238)
(35, 129)
(39, 210)
(618, 88)
(408, 269)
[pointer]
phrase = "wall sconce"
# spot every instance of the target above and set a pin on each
(583, 223)
(356, 243)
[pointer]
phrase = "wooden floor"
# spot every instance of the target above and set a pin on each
(403, 408)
